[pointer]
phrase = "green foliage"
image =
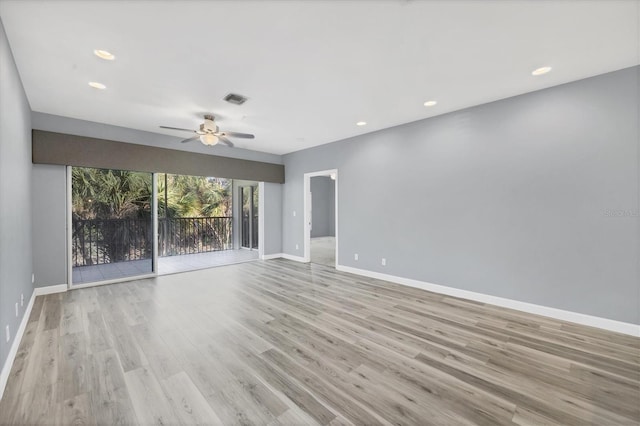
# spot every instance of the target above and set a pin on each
(112, 212)
(110, 194)
(194, 196)
(121, 194)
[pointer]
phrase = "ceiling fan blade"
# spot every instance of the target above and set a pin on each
(238, 135)
(178, 128)
(225, 141)
(190, 139)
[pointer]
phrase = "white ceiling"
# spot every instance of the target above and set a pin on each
(311, 69)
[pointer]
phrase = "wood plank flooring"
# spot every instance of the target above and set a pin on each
(279, 342)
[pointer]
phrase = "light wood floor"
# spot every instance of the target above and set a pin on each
(279, 342)
(323, 251)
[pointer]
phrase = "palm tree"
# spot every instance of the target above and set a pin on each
(113, 209)
(197, 197)
(118, 205)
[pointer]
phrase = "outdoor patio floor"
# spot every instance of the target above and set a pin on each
(166, 265)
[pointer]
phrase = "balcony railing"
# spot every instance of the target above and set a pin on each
(99, 241)
(192, 235)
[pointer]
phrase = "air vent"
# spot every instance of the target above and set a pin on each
(236, 99)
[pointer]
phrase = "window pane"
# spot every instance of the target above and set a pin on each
(194, 215)
(111, 224)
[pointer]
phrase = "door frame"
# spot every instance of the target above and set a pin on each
(69, 239)
(259, 208)
(307, 210)
(261, 220)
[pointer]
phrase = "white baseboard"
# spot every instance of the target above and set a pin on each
(13, 351)
(575, 317)
(284, 256)
(294, 258)
(270, 256)
(41, 291)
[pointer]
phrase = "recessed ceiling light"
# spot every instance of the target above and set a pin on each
(540, 71)
(361, 123)
(103, 54)
(97, 85)
(430, 103)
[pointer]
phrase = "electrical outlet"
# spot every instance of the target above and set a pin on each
(355, 256)
(384, 262)
(8, 334)
(22, 299)
(294, 213)
(33, 278)
(17, 309)
(297, 247)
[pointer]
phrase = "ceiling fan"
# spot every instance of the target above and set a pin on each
(209, 133)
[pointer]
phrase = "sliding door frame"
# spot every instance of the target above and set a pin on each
(154, 236)
(252, 209)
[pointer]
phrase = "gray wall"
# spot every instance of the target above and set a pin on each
(49, 197)
(272, 196)
(533, 198)
(15, 196)
(323, 223)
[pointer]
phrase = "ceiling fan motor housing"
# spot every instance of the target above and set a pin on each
(209, 126)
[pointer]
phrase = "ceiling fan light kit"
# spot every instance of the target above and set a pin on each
(209, 139)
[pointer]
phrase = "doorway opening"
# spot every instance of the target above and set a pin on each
(321, 217)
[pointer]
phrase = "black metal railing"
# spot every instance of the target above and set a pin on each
(97, 241)
(190, 235)
(100, 241)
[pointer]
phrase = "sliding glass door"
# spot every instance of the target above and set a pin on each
(111, 224)
(249, 202)
(117, 230)
(195, 220)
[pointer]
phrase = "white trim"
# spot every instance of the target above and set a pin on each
(271, 256)
(11, 356)
(69, 226)
(260, 220)
(50, 289)
(307, 212)
(154, 222)
(292, 257)
(283, 256)
(575, 317)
